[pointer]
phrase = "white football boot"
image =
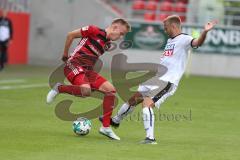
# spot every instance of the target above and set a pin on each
(52, 94)
(107, 131)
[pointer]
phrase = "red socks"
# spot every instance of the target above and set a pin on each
(108, 106)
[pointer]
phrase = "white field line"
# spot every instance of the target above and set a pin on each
(12, 81)
(26, 86)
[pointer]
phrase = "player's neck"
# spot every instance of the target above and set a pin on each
(176, 33)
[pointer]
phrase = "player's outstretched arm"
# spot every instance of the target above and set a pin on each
(70, 37)
(199, 41)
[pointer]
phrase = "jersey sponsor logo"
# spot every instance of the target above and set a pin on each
(82, 42)
(169, 49)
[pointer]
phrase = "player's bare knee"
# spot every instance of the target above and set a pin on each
(147, 102)
(86, 92)
(110, 92)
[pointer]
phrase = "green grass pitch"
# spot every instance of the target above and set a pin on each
(208, 128)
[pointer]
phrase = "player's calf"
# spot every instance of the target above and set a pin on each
(127, 108)
(108, 106)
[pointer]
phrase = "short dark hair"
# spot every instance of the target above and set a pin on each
(123, 22)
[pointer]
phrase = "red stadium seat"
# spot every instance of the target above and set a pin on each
(180, 7)
(166, 6)
(171, 1)
(183, 18)
(149, 16)
(151, 5)
(138, 5)
(154, 0)
(162, 16)
(183, 1)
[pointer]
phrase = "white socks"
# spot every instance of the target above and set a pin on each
(148, 121)
(148, 118)
(123, 112)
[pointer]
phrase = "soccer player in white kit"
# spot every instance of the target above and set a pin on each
(154, 91)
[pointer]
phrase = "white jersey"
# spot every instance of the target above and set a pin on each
(175, 58)
(4, 33)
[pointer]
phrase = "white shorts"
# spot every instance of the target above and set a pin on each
(157, 89)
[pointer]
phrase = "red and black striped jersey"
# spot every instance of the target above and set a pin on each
(92, 45)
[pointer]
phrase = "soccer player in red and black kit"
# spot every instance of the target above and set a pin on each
(79, 67)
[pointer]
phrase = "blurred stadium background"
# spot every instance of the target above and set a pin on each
(40, 28)
(30, 130)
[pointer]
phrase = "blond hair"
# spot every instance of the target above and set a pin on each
(173, 19)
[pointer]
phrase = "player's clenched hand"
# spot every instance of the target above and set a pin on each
(64, 58)
(210, 25)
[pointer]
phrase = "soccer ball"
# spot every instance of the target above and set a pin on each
(82, 126)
